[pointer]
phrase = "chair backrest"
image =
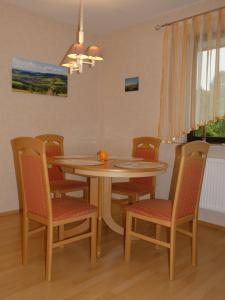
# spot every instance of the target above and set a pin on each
(176, 168)
(147, 148)
(33, 175)
(54, 147)
(189, 179)
(16, 166)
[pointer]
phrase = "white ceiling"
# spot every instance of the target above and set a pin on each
(101, 16)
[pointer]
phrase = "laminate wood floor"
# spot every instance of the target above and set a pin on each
(145, 277)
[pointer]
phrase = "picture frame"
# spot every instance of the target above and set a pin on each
(36, 77)
(132, 84)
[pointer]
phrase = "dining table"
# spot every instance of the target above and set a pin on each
(101, 174)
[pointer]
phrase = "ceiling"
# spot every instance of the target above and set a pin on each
(101, 16)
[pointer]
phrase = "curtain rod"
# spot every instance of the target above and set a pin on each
(158, 27)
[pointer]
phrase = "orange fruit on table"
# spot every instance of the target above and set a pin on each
(102, 155)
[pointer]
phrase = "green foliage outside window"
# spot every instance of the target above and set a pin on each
(214, 129)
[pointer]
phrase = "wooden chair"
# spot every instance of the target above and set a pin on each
(38, 205)
(182, 208)
(58, 184)
(148, 149)
(18, 179)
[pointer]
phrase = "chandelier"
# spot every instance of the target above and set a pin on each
(77, 55)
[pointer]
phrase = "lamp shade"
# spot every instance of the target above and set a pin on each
(94, 53)
(77, 51)
(68, 62)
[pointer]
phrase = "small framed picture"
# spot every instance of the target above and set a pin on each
(131, 84)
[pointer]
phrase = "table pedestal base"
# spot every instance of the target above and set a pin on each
(101, 196)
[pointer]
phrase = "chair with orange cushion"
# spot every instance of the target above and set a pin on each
(58, 184)
(182, 208)
(18, 179)
(38, 205)
(148, 149)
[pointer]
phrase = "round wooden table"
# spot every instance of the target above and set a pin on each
(101, 176)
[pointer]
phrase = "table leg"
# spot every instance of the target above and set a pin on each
(105, 197)
(95, 188)
(101, 196)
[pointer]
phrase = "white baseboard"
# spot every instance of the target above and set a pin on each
(211, 216)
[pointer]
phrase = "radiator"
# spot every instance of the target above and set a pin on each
(213, 187)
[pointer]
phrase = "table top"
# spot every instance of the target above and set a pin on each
(114, 167)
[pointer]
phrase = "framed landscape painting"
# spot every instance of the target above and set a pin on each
(38, 78)
(131, 84)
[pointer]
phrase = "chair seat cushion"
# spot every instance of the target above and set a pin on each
(67, 184)
(156, 208)
(130, 187)
(69, 207)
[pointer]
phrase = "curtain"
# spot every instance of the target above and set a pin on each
(193, 74)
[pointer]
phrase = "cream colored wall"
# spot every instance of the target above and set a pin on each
(74, 117)
(93, 115)
(137, 52)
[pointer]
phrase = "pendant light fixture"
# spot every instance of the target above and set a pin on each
(78, 54)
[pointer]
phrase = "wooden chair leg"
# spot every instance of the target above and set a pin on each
(85, 194)
(93, 239)
(157, 233)
(194, 243)
(61, 234)
(128, 237)
(136, 199)
(172, 252)
(152, 195)
(25, 230)
(99, 235)
(61, 228)
(49, 249)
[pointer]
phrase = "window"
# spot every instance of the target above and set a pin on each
(214, 132)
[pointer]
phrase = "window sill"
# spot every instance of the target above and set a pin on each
(217, 151)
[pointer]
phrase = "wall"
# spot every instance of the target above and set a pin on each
(93, 115)
(74, 117)
(136, 51)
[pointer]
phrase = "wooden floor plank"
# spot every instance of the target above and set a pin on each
(145, 277)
